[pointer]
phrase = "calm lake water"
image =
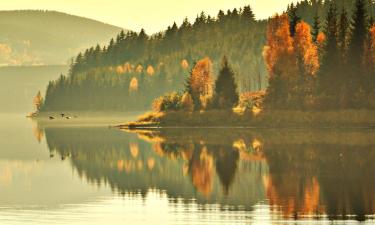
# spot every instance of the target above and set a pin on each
(51, 173)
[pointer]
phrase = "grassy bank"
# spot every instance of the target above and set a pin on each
(271, 119)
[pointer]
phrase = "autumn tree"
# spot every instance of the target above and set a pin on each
(307, 59)
(369, 63)
(38, 101)
(280, 61)
(201, 81)
(187, 102)
(226, 95)
(133, 86)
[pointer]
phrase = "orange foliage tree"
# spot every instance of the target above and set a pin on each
(201, 81)
(150, 70)
(280, 60)
(307, 58)
(184, 64)
(38, 101)
(133, 86)
(292, 63)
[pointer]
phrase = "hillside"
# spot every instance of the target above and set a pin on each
(134, 68)
(30, 37)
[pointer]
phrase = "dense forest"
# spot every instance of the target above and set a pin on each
(312, 40)
(136, 68)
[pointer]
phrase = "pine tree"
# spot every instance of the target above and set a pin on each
(331, 60)
(356, 51)
(294, 18)
(226, 95)
(248, 14)
(316, 27)
(343, 30)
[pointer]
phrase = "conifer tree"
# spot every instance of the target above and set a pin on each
(356, 51)
(226, 95)
(294, 18)
(331, 60)
(316, 27)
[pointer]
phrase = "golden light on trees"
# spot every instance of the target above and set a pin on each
(128, 68)
(150, 70)
(120, 70)
(38, 101)
(305, 48)
(202, 79)
(133, 86)
(139, 69)
(187, 102)
(321, 38)
(184, 64)
(279, 51)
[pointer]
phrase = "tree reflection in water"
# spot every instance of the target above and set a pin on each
(298, 173)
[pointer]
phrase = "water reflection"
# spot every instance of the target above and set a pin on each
(298, 174)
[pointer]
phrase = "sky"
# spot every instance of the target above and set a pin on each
(152, 15)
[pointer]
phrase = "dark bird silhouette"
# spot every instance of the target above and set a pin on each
(62, 114)
(51, 117)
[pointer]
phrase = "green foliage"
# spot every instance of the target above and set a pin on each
(168, 102)
(226, 95)
(91, 86)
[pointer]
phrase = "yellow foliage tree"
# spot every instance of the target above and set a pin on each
(139, 69)
(120, 70)
(187, 102)
(150, 70)
(184, 64)
(38, 101)
(305, 48)
(279, 51)
(133, 86)
(201, 79)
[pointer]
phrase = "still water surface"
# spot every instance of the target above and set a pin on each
(57, 173)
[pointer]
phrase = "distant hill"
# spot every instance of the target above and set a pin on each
(29, 37)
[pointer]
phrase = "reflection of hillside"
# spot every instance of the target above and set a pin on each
(299, 173)
(310, 173)
(209, 173)
(334, 176)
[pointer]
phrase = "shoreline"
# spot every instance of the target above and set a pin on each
(340, 119)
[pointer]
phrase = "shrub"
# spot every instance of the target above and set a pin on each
(187, 103)
(167, 102)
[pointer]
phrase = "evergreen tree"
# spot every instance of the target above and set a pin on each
(294, 18)
(331, 61)
(226, 95)
(343, 30)
(316, 27)
(356, 51)
(248, 14)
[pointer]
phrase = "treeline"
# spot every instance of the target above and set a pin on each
(318, 55)
(134, 68)
(329, 66)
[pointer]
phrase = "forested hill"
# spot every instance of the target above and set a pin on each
(133, 69)
(47, 37)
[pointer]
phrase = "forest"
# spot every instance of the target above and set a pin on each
(316, 55)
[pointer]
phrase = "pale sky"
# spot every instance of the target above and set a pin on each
(153, 15)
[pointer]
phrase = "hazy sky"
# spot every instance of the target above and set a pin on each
(153, 15)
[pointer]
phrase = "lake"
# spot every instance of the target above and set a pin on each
(54, 174)
(82, 171)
